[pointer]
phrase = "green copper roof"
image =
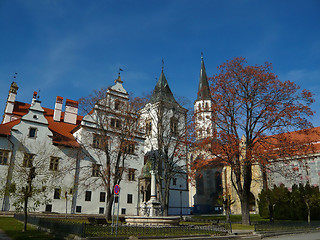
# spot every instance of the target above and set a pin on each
(162, 91)
(203, 91)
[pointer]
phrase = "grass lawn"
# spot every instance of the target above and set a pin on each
(234, 218)
(13, 228)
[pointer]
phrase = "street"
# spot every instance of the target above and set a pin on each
(304, 236)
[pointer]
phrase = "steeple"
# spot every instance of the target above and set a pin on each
(203, 91)
(162, 91)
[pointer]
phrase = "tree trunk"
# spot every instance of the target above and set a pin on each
(25, 214)
(109, 207)
(245, 212)
(271, 210)
(166, 199)
(266, 188)
(227, 209)
(309, 212)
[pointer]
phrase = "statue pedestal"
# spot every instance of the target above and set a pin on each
(154, 207)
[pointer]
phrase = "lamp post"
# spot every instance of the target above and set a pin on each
(66, 197)
(180, 201)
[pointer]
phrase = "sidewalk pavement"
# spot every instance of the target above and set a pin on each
(3, 236)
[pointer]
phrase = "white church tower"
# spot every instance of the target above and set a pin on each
(164, 121)
(207, 187)
(203, 106)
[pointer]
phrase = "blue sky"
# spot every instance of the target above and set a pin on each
(69, 48)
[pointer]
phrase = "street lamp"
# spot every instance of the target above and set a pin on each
(180, 201)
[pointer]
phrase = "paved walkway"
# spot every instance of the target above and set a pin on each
(3, 236)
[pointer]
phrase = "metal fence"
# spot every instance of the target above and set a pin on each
(123, 230)
(61, 228)
(64, 228)
(285, 226)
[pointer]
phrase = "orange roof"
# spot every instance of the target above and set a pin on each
(5, 129)
(61, 131)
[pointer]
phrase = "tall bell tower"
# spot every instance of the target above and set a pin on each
(203, 106)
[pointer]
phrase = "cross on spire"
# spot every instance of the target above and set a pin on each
(162, 65)
(120, 70)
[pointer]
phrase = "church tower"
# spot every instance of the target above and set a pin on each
(203, 106)
(8, 112)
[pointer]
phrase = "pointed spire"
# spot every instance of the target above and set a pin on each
(204, 90)
(162, 90)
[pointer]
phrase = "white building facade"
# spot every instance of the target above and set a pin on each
(65, 151)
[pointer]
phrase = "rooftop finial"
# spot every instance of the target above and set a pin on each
(119, 78)
(120, 70)
(15, 76)
(201, 55)
(162, 65)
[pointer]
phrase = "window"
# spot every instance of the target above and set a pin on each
(131, 174)
(99, 141)
(128, 147)
(27, 160)
(174, 126)
(57, 193)
(95, 170)
(117, 105)
(88, 196)
(48, 208)
(4, 155)
(129, 198)
(101, 210)
(148, 128)
(123, 211)
(208, 131)
(102, 196)
(78, 209)
(54, 163)
(32, 132)
(174, 181)
(115, 123)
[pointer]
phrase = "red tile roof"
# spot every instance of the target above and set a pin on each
(61, 131)
(5, 129)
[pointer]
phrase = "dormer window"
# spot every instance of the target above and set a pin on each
(96, 170)
(54, 163)
(32, 132)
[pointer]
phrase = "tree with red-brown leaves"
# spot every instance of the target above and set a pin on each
(249, 104)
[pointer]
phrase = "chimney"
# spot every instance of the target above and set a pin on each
(7, 117)
(71, 111)
(58, 109)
